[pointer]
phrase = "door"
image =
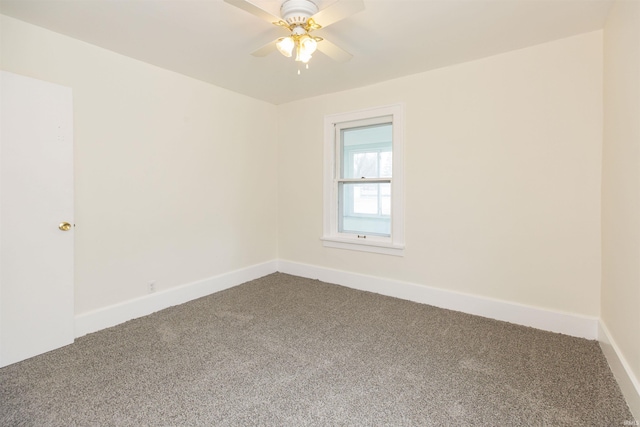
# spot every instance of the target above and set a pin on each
(36, 199)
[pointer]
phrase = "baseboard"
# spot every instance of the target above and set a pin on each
(119, 313)
(554, 321)
(629, 384)
(535, 317)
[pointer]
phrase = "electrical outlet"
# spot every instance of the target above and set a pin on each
(152, 286)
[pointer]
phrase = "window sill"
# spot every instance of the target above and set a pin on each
(375, 247)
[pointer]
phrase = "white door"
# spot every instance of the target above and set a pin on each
(36, 196)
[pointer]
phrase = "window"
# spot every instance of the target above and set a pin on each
(363, 181)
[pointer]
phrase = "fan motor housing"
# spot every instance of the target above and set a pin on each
(297, 12)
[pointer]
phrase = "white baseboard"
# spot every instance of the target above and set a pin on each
(535, 317)
(119, 313)
(629, 384)
(548, 320)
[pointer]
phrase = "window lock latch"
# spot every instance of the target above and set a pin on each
(361, 237)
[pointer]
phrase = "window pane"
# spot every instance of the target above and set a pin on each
(365, 208)
(365, 165)
(366, 151)
(385, 199)
(365, 198)
(386, 163)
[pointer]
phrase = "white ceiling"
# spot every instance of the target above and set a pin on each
(211, 40)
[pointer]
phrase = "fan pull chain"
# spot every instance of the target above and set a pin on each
(306, 66)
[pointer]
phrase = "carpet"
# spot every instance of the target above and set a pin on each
(288, 351)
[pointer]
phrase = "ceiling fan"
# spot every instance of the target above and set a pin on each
(300, 18)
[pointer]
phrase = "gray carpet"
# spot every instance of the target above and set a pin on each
(287, 351)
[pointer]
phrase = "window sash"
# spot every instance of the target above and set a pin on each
(377, 222)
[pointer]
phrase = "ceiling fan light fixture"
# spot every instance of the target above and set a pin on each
(298, 16)
(285, 45)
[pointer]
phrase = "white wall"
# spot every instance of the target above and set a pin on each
(621, 192)
(174, 177)
(503, 162)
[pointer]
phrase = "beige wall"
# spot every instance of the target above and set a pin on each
(503, 162)
(174, 177)
(621, 183)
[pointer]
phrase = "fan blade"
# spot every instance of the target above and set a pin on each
(338, 11)
(334, 52)
(254, 10)
(266, 49)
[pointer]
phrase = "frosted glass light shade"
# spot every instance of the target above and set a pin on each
(285, 45)
(308, 45)
(304, 56)
(301, 55)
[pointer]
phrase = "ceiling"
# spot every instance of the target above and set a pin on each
(211, 40)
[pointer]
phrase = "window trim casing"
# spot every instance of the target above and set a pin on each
(393, 245)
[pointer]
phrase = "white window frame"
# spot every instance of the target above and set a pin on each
(394, 244)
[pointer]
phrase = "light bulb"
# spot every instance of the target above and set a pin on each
(285, 46)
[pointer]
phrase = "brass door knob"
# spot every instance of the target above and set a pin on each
(64, 226)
